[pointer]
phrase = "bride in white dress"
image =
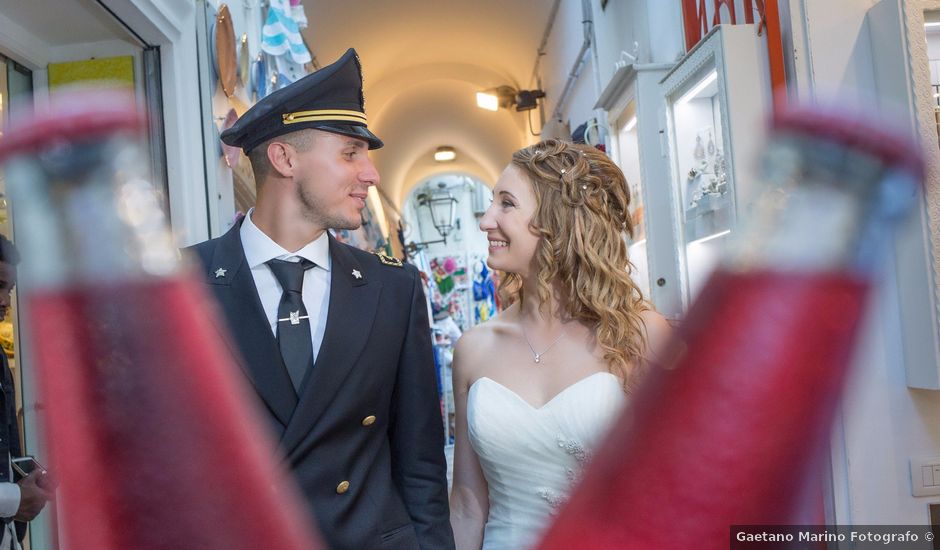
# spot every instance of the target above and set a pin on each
(539, 384)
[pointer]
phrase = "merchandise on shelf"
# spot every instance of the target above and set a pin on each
(484, 292)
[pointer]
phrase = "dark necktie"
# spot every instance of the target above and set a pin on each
(293, 325)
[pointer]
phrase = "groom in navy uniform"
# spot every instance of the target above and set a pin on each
(334, 340)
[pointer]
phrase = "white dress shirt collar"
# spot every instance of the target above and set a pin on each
(259, 248)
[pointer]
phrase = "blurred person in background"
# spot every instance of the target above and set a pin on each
(21, 498)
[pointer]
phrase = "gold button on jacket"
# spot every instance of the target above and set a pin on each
(342, 487)
(368, 421)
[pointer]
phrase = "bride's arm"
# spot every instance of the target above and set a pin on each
(469, 502)
(658, 334)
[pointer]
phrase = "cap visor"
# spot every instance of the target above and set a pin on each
(351, 130)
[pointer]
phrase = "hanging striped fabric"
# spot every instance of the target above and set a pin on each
(280, 35)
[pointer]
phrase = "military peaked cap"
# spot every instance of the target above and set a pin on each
(329, 99)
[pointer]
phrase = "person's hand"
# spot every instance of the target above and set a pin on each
(32, 497)
(47, 482)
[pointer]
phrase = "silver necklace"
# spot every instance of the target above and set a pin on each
(537, 357)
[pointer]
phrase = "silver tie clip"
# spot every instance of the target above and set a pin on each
(294, 318)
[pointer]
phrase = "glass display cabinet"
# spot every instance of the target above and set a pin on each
(717, 98)
(633, 102)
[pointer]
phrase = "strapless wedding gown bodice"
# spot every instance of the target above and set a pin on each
(531, 456)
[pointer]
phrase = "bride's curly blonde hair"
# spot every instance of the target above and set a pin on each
(582, 217)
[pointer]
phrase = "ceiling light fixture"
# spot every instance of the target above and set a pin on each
(445, 153)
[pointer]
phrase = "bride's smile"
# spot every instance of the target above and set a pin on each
(507, 224)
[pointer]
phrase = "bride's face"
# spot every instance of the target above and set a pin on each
(506, 224)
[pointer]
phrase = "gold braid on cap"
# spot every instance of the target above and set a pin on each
(322, 115)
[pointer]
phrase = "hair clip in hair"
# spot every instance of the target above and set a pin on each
(584, 187)
(562, 170)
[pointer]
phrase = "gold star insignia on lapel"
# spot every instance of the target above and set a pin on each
(220, 272)
(356, 274)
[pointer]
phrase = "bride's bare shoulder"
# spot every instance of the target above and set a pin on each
(480, 341)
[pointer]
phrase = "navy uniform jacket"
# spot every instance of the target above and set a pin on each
(365, 437)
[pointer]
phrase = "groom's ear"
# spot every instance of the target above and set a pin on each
(282, 158)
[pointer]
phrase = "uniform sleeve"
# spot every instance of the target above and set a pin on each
(9, 499)
(417, 432)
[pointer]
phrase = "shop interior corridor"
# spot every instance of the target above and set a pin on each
(678, 98)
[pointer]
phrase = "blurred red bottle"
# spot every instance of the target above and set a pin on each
(148, 423)
(734, 430)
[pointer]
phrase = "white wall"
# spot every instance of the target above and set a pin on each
(561, 52)
(664, 35)
(651, 29)
(884, 423)
(620, 27)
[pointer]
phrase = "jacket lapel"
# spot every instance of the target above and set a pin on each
(353, 303)
(235, 290)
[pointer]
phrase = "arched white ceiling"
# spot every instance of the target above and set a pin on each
(441, 113)
(423, 63)
(391, 35)
(378, 94)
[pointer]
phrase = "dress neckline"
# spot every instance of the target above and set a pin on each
(550, 401)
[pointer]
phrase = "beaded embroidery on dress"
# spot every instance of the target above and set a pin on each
(531, 456)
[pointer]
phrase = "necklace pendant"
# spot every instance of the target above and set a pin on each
(538, 358)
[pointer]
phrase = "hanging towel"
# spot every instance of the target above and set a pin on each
(280, 35)
(300, 17)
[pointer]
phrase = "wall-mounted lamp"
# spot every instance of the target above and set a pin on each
(443, 207)
(507, 96)
(445, 153)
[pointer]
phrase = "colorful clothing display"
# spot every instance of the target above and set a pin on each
(484, 293)
(456, 303)
(281, 39)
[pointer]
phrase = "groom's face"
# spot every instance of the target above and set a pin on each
(332, 174)
(512, 240)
